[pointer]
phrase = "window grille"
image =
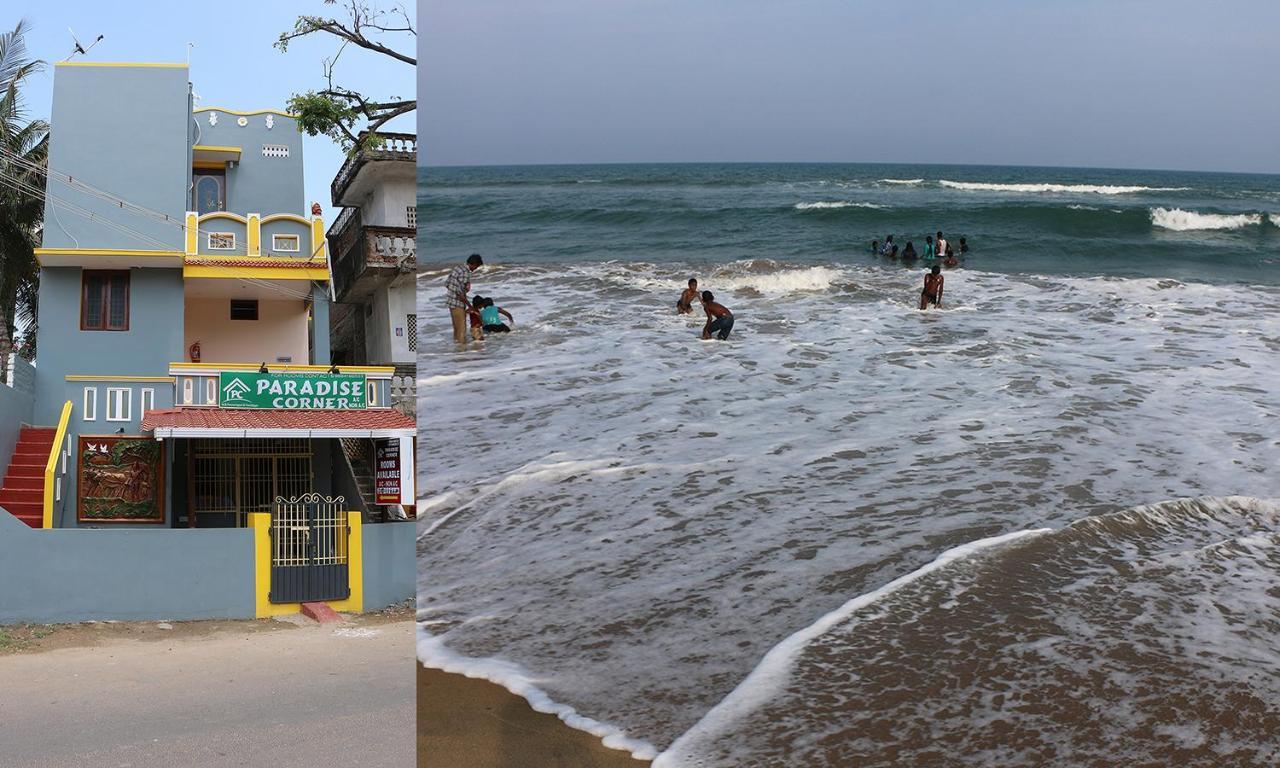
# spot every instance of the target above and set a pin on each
(222, 241)
(286, 243)
(411, 213)
(411, 324)
(275, 150)
(238, 476)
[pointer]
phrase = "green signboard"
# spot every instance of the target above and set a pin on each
(295, 391)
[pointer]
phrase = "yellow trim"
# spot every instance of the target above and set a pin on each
(193, 233)
(209, 164)
(318, 242)
(289, 216)
(103, 252)
(246, 114)
(158, 65)
(215, 148)
(255, 273)
(225, 215)
(260, 522)
(286, 367)
(259, 261)
(83, 377)
(51, 466)
(255, 234)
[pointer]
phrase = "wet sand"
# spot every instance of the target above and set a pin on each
(466, 723)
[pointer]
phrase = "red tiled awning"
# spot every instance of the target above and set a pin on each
(269, 422)
(196, 261)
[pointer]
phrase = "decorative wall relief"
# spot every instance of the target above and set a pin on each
(121, 479)
(213, 118)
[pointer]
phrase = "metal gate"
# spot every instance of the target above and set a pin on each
(309, 536)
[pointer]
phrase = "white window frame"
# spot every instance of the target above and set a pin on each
(124, 399)
(188, 391)
(147, 400)
(371, 394)
(213, 247)
(411, 215)
(210, 391)
(89, 404)
(297, 243)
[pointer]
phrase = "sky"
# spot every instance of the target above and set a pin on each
(1088, 83)
(232, 64)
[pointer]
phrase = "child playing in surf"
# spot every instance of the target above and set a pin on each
(684, 305)
(473, 314)
(719, 318)
(932, 293)
(491, 316)
(951, 257)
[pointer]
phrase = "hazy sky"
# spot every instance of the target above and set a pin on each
(1106, 83)
(232, 65)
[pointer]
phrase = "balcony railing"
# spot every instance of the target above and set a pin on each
(392, 146)
(355, 248)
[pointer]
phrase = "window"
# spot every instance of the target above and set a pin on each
(275, 150)
(371, 395)
(119, 403)
(188, 391)
(411, 215)
(104, 303)
(411, 322)
(222, 241)
(147, 401)
(287, 243)
(211, 391)
(244, 309)
(90, 409)
(210, 190)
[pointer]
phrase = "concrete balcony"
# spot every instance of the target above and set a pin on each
(398, 150)
(368, 257)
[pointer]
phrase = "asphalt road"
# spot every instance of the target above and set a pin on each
(298, 696)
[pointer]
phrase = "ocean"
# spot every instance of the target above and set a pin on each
(1039, 526)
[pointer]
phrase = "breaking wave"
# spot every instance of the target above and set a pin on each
(1098, 189)
(901, 181)
(836, 204)
(1181, 221)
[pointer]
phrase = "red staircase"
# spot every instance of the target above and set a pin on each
(22, 492)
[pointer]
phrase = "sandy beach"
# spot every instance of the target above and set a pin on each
(466, 723)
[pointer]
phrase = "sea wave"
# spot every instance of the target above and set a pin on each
(1098, 189)
(433, 654)
(823, 204)
(901, 181)
(1275, 219)
(1181, 221)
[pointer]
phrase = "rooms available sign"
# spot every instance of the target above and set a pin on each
(296, 391)
(387, 474)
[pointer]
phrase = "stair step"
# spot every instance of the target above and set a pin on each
(20, 495)
(23, 509)
(21, 483)
(32, 521)
(38, 431)
(25, 470)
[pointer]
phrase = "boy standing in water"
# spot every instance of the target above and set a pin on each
(685, 304)
(928, 247)
(719, 319)
(940, 247)
(932, 293)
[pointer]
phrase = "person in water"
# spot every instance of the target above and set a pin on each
(951, 257)
(888, 247)
(964, 247)
(932, 293)
(684, 305)
(928, 248)
(875, 247)
(491, 316)
(719, 318)
(909, 253)
(473, 314)
(940, 246)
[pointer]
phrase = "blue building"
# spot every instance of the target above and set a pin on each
(184, 377)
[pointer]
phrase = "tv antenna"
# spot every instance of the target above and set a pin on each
(80, 49)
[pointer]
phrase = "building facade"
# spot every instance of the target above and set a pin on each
(374, 319)
(185, 377)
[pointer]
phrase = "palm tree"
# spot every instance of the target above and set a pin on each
(24, 150)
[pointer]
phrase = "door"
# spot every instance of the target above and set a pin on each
(309, 536)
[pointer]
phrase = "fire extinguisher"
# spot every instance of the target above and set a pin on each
(194, 351)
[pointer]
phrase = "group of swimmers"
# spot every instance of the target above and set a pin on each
(932, 250)
(719, 318)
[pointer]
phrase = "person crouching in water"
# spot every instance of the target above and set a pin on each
(684, 306)
(909, 253)
(719, 319)
(951, 260)
(932, 293)
(491, 316)
(473, 315)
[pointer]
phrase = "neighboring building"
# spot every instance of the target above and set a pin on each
(184, 377)
(374, 319)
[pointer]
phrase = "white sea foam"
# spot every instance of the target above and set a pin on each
(771, 674)
(1275, 219)
(1098, 189)
(1181, 221)
(902, 181)
(652, 515)
(824, 204)
(433, 654)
